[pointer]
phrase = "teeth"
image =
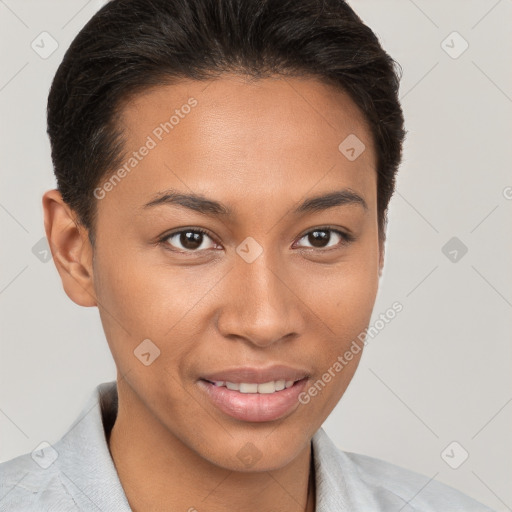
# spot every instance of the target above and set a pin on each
(267, 387)
(280, 384)
(252, 387)
(248, 388)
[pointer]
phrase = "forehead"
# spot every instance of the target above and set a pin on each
(243, 108)
(255, 140)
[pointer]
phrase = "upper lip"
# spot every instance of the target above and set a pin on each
(257, 375)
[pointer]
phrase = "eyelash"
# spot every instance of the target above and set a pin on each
(347, 238)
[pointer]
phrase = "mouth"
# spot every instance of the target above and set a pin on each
(253, 401)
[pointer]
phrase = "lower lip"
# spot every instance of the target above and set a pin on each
(255, 407)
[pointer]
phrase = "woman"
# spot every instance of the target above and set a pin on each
(224, 169)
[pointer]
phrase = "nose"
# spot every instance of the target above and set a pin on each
(262, 307)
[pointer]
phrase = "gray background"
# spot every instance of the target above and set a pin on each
(439, 372)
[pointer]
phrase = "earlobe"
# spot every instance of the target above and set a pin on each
(71, 249)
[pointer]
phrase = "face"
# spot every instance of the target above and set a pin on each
(257, 276)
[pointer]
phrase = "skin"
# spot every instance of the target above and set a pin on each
(259, 147)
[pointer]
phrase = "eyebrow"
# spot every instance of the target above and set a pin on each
(205, 206)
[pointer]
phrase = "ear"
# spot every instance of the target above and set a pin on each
(71, 249)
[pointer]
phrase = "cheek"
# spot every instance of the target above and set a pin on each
(344, 303)
(141, 298)
(125, 300)
(344, 295)
(343, 299)
(355, 298)
(129, 287)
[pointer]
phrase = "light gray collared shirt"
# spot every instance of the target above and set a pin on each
(77, 473)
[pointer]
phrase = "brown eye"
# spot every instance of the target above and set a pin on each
(189, 240)
(321, 238)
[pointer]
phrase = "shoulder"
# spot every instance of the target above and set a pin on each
(74, 474)
(27, 486)
(352, 481)
(419, 491)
